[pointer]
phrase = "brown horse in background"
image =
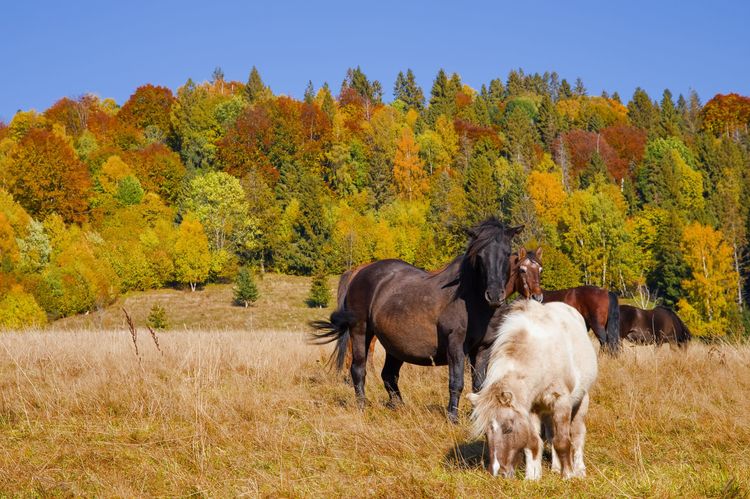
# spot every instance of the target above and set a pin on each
(599, 307)
(425, 318)
(658, 326)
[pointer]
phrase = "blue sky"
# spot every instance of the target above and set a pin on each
(52, 50)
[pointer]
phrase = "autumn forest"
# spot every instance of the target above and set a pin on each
(647, 195)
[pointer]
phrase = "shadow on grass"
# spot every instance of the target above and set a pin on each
(467, 456)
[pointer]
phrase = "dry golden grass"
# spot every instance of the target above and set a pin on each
(227, 413)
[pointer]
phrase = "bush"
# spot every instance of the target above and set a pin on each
(245, 290)
(18, 309)
(157, 318)
(319, 295)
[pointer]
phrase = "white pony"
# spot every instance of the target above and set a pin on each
(542, 365)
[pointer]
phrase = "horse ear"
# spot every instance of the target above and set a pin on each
(522, 253)
(512, 231)
(505, 399)
(538, 252)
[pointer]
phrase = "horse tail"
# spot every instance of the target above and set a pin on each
(336, 329)
(613, 323)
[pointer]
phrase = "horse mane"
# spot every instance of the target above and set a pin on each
(483, 234)
(510, 344)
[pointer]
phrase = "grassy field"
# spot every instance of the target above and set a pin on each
(220, 411)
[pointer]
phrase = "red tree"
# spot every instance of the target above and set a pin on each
(148, 106)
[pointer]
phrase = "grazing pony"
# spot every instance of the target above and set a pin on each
(424, 318)
(660, 325)
(542, 365)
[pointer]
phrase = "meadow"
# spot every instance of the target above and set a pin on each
(225, 407)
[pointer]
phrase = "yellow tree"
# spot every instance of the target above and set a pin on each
(709, 306)
(192, 258)
(408, 168)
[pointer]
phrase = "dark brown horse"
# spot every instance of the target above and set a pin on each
(524, 279)
(425, 318)
(599, 307)
(660, 325)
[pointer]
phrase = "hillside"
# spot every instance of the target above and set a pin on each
(281, 307)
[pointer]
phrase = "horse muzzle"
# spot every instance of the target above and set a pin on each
(538, 297)
(494, 299)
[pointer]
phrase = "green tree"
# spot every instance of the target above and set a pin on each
(157, 318)
(642, 112)
(319, 295)
(245, 289)
(218, 201)
(407, 91)
(195, 126)
(255, 89)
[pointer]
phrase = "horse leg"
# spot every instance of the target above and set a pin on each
(561, 438)
(389, 374)
(478, 361)
(601, 335)
(578, 437)
(534, 449)
(456, 359)
(359, 361)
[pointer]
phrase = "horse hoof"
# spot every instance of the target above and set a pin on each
(394, 404)
(453, 418)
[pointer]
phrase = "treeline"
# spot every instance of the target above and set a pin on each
(647, 197)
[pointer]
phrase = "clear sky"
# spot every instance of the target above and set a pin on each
(54, 49)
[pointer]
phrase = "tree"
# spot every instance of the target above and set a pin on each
(309, 96)
(245, 290)
(195, 126)
(408, 168)
(149, 106)
(45, 176)
(726, 114)
(192, 259)
(407, 91)
(669, 119)
(521, 133)
(255, 89)
(218, 201)
(709, 303)
(157, 318)
(579, 90)
(642, 112)
(319, 295)
(18, 309)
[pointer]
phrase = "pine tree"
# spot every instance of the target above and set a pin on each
(255, 89)
(548, 122)
(669, 120)
(327, 105)
(309, 92)
(642, 112)
(319, 295)
(440, 98)
(245, 290)
(407, 91)
(579, 90)
(565, 91)
(157, 318)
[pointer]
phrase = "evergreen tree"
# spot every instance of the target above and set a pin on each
(309, 92)
(616, 98)
(595, 172)
(670, 268)
(327, 103)
(548, 122)
(669, 122)
(157, 318)
(407, 91)
(642, 112)
(565, 91)
(255, 89)
(579, 90)
(245, 290)
(319, 295)
(441, 98)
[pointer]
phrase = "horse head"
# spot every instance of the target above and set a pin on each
(528, 268)
(488, 259)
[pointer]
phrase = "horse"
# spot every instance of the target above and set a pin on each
(660, 325)
(542, 366)
(524, 279)
(599, 307)
(424, 318)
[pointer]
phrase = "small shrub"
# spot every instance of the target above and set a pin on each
(245, 290)
(157, 318)
(319, 295)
